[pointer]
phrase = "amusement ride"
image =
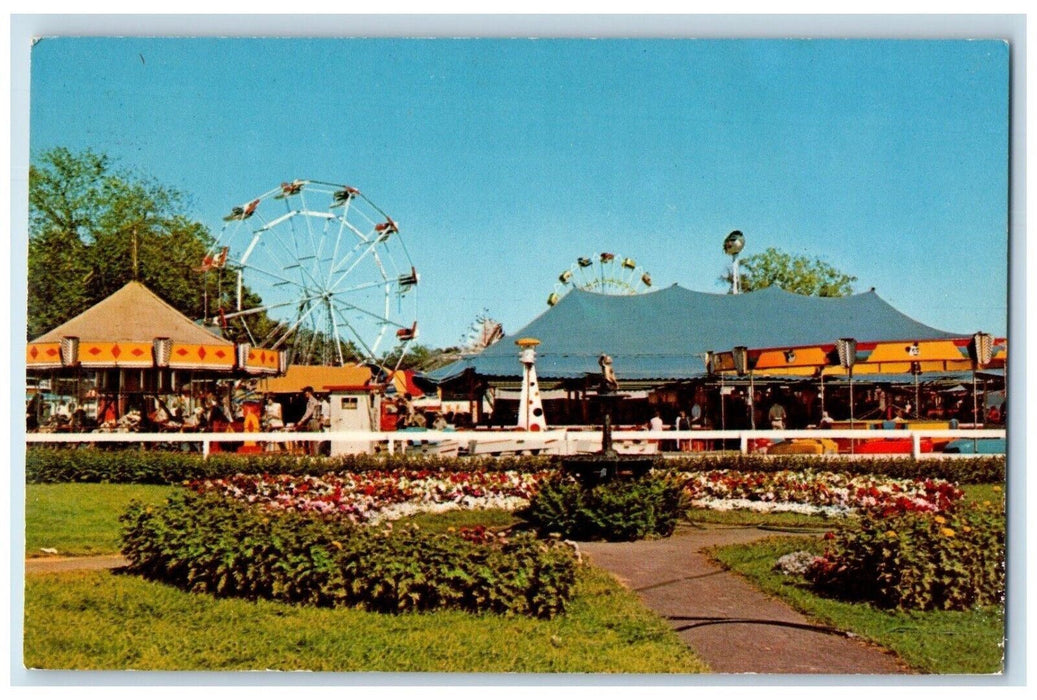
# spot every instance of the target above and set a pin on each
(327, 265)
(609, 274)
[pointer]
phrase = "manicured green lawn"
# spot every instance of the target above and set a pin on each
(79, 519)
(104, 620)
(752, 518)
(933, 642)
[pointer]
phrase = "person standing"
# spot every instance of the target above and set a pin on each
(777, 416)
(682, 423)
(273, 418)
(325, 411)
(310, 421)
(656, 422)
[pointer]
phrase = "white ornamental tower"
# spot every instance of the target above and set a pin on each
(531, 410)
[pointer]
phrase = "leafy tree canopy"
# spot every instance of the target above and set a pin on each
(793, 273)
(420, 357)
(93, 228)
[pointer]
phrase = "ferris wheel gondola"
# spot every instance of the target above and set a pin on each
(329, 271)
(609, 274)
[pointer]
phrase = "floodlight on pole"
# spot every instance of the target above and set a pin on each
(916, 370)
(740, 354)
(821, 390)
(847, 350)
(733, 245)
(710, 358)
(981, 351)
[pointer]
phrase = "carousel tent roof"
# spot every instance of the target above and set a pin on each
(133, 314)
(135, 329)
(663, 335)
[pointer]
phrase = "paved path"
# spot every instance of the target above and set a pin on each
(733, 627)
(43, 565)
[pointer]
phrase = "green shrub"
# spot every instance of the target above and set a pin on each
(951, 561)
(136, 466)
(616, 510)
(45, 465)
(215, 545)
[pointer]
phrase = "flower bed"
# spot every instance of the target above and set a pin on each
(377, 496)
(829, 493)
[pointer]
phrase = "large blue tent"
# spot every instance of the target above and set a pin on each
(663, 335)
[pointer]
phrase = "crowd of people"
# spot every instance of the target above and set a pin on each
(400, 413)
(778, 409)
(225, 406)
(219, 408)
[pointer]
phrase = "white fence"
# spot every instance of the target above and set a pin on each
(563, 441)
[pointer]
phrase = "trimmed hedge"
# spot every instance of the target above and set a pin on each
(134, 466)
(924, 561)
(211, 544)
(617, 510)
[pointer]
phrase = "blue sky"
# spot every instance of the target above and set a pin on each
(505, 160)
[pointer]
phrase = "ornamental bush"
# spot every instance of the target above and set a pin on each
(923, 561)
(211, 544)
(617, 510)
(136, 466)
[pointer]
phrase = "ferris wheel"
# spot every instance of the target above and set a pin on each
(331, 277)
(608, 274)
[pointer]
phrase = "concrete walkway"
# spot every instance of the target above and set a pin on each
(733, 627)
(47, 565)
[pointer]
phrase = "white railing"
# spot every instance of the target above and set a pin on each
(508, 441)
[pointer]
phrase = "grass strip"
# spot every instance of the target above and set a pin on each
(111, 621)
(81, 519)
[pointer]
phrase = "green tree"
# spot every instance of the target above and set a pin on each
(793, 273)
(92, 229)
(420, 357)
(58, 272)
(64, 202)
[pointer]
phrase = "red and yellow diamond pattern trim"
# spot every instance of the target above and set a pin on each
(262, 361)
(132, 355)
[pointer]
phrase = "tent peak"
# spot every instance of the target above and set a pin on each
(133, 313)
